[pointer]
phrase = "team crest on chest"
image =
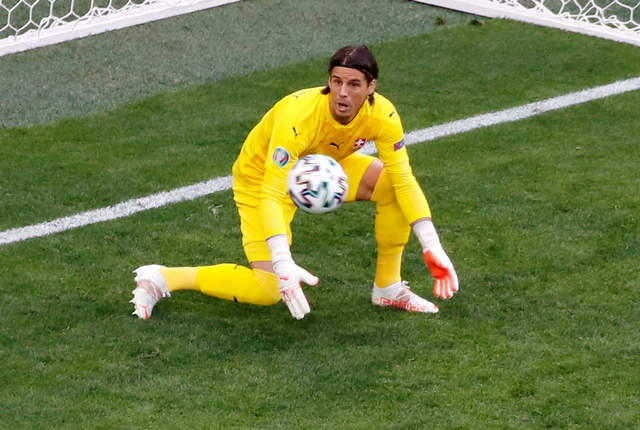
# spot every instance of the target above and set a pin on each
(281, 157)
(359, 143)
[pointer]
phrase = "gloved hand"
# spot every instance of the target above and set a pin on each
(446, 279)
(289, 276)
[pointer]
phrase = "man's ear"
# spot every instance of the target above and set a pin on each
(372, 87)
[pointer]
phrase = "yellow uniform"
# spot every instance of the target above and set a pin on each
(297, 125)
(337, 120)
(301, 124)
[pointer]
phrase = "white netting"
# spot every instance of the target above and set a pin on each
(611, 19)
(28, 22)
(21, 16)
(623, 15)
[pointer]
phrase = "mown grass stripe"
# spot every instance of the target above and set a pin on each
(202, 189)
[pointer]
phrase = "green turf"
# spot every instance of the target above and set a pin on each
(137, 149)
(102, 72)
(539, 216)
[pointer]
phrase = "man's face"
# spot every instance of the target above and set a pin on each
(349, 90)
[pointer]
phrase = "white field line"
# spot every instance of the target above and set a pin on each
(201, 189)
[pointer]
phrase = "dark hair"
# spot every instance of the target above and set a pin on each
(355, 57)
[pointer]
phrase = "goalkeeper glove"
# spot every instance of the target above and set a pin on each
(289, 276)
(446, 279)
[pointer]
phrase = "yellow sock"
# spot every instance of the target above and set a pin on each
(388, 269)
(225, 281)
(392, 232)
(180, 278)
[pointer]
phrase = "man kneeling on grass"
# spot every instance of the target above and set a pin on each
(334, 120)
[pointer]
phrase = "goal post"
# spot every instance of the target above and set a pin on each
(28, 24)
(617, 20)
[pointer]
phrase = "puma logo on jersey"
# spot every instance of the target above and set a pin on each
(391, 114)
(295, 132)
(335, 144)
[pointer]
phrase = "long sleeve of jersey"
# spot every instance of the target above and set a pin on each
(284, 150)
(271, 196)
(393, 154)
(409, 195)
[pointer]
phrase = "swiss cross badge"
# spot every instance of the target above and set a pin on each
(359, 143)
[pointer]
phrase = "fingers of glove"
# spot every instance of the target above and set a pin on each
(436, 288)
(448, 285)
(307, 277)
(455, 285)
(442, 288)
(293, 304)
(296, 301)
(451, 283)
(302, 301)
(447, 291)
(295, 310)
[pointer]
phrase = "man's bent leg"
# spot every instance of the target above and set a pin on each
(257, 285)
(369, 181)
(238, 283)
(225, 281)
(392, 232)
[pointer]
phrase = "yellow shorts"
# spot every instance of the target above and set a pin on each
(246, 197)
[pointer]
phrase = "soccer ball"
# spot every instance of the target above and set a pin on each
(317, 184)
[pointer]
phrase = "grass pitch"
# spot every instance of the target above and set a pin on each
(99, 73)
(539, 216)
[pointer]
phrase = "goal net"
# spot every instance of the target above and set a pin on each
(27, 24)
(611, 19)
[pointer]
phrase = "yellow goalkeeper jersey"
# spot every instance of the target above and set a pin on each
(301, 124)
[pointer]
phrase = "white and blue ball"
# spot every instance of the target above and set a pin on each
(317, 184)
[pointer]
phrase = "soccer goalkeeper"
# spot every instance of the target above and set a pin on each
(334, 120)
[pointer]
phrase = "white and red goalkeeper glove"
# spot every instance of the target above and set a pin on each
(446, 279)
(289, 276)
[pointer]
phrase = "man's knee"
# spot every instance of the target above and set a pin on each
(266, 266)
(383, 192)
(369, 180)
(269, 284)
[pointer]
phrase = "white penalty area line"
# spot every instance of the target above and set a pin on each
(131, 207)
